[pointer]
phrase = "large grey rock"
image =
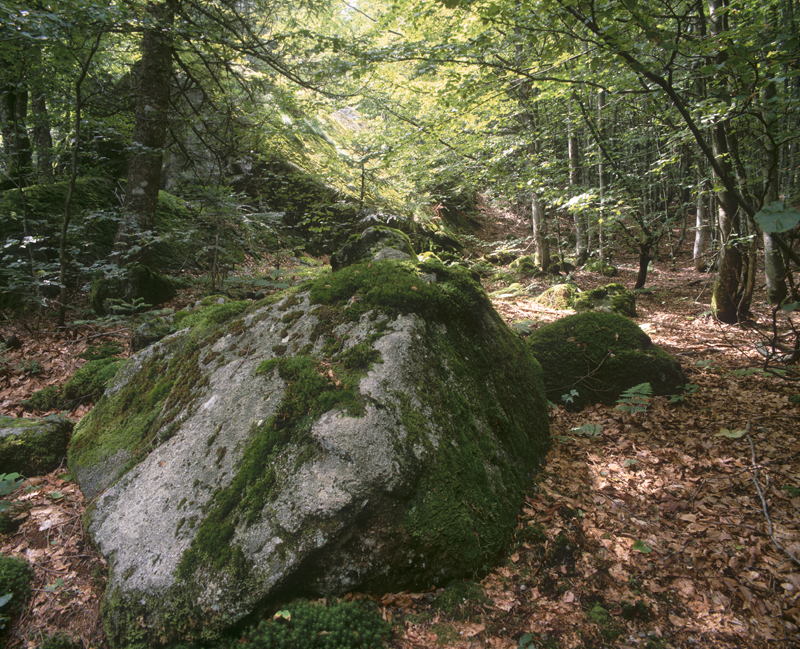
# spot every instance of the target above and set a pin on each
(376, 243)
(375, 431)
(33, 446)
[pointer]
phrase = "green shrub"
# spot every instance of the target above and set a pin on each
(59, 641)
(15, 579)
(307, 625)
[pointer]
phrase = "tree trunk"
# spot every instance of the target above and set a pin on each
(724, 301)
(774, 266)
(149, 134)
(13, 114)
(645, 256)
(540, 232)
(701, 228)
(76, 143)
(575, 180)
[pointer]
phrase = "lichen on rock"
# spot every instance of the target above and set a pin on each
(373, 430)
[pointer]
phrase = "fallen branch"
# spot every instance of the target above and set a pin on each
(765, 509)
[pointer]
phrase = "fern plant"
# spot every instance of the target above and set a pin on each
(635, 399)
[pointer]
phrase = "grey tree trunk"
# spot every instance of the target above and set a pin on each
(701, 228)
(149, 133)
(774, 266)
(575, 180)
(540, 232)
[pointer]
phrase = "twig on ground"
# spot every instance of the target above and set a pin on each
(764, 508)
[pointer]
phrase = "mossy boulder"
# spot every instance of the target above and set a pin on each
(611, 298)
(32, 446)
(600, 355)
(525, 265)
(601, 267)
(137, 282)
(375, 243)
(560, 296)
(374, 429)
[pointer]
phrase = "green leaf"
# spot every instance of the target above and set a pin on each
(731, 434)
(283, 615)
(642, 547)
(776, 217)
(59, 583)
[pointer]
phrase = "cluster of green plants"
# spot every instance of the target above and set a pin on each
(305, 624)
(87, 384)
(16, 576)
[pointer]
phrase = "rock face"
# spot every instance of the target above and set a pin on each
(372, 430)
(376, 243)
(600, 355)
(33, 446)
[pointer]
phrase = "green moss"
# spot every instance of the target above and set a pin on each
(464, 513)
(339, 625)
(48, 398)
(600, 355)
(396, 287)
(560, 296)
(36, 446)
(461, 599)
(16, 576)
(89, 382)
(141, 414)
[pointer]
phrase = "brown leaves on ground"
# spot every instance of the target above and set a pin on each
(69, 574)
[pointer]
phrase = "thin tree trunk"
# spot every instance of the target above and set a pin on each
(575, 180)
(724, 301)
(701, 228)
(774, 266)
(62, 248)
(540, 232)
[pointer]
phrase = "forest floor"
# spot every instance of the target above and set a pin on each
(675, 527)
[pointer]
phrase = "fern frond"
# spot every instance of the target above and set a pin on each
(635, 399)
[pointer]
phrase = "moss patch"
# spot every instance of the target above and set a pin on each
(560, 296)
(397, 287)
(33, 446)
(600, 355)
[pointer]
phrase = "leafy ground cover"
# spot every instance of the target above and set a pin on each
(676, 527)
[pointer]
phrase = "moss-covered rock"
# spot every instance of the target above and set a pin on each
(139, 282)
(375, 243)
(374, 429)
(525, 266)
(611, 298)
(560, 296)
(600, 355)
(601, 267)
(33, 446)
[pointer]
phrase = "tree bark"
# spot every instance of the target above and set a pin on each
(540, 232)
(724, 301)
(149, 133)
(701, 227)
(575, 180)
(774, 266)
